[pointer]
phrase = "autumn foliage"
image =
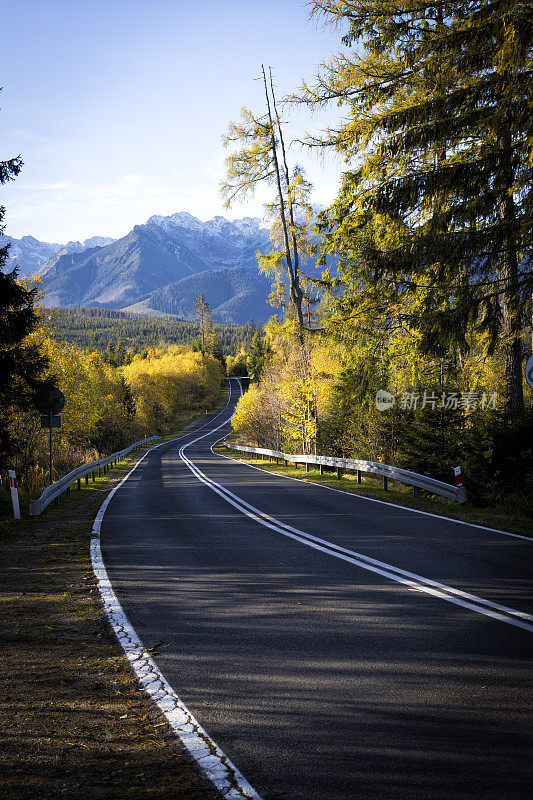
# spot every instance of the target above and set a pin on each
(109, 407)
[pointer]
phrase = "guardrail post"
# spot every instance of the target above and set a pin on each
(68, 491)
(93, 476)
(79, 484)
(461, 494)
(342, 465)
(86, 479)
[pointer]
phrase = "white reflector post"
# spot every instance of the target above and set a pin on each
(14, 493)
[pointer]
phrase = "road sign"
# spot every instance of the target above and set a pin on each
(57, 401)
(52, 401)
(46, 419)
(529, 371)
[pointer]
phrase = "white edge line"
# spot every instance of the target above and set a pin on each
(369, 560)
(382, 502)
(216, 766)
(426, 585)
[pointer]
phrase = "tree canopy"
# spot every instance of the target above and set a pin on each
(433, 221)
(22, 365)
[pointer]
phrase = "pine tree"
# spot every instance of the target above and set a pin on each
(434, 216)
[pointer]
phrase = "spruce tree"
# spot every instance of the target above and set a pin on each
(259, 356)
(21, 364)
(434, 217)
(203, 314)
(120, 354)
(214, 348)
(109, 354)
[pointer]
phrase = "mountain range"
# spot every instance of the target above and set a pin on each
(29, 254)
(157, 268)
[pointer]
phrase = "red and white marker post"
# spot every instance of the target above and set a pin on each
(458, 476)
(14, 493)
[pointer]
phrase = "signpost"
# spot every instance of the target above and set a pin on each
(50, 418)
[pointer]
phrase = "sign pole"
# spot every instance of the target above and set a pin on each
(50, 419)
(50, 408)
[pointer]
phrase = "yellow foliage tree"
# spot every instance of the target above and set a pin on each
(171, 382)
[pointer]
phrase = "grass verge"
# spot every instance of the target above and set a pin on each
(75, 723)
(397, 493)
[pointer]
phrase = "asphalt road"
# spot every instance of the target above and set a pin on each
(319, 678)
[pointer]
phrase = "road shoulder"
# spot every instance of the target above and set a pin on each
(75, 723)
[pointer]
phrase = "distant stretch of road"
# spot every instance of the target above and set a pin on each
(334, 647)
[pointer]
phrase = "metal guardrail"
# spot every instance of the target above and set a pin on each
(66, 481)
(413, 479)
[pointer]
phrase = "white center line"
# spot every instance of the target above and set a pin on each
(497, 611)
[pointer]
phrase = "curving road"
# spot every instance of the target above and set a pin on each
(334, 647)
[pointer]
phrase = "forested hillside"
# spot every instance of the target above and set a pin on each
(96, 327)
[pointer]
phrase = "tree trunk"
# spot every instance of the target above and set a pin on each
(510, 300)
(294, 281)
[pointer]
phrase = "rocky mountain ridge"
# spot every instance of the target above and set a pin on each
(148, 269)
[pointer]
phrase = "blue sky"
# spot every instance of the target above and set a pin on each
(118, 106)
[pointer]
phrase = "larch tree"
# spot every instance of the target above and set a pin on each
(263, 158)
(433, 220)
